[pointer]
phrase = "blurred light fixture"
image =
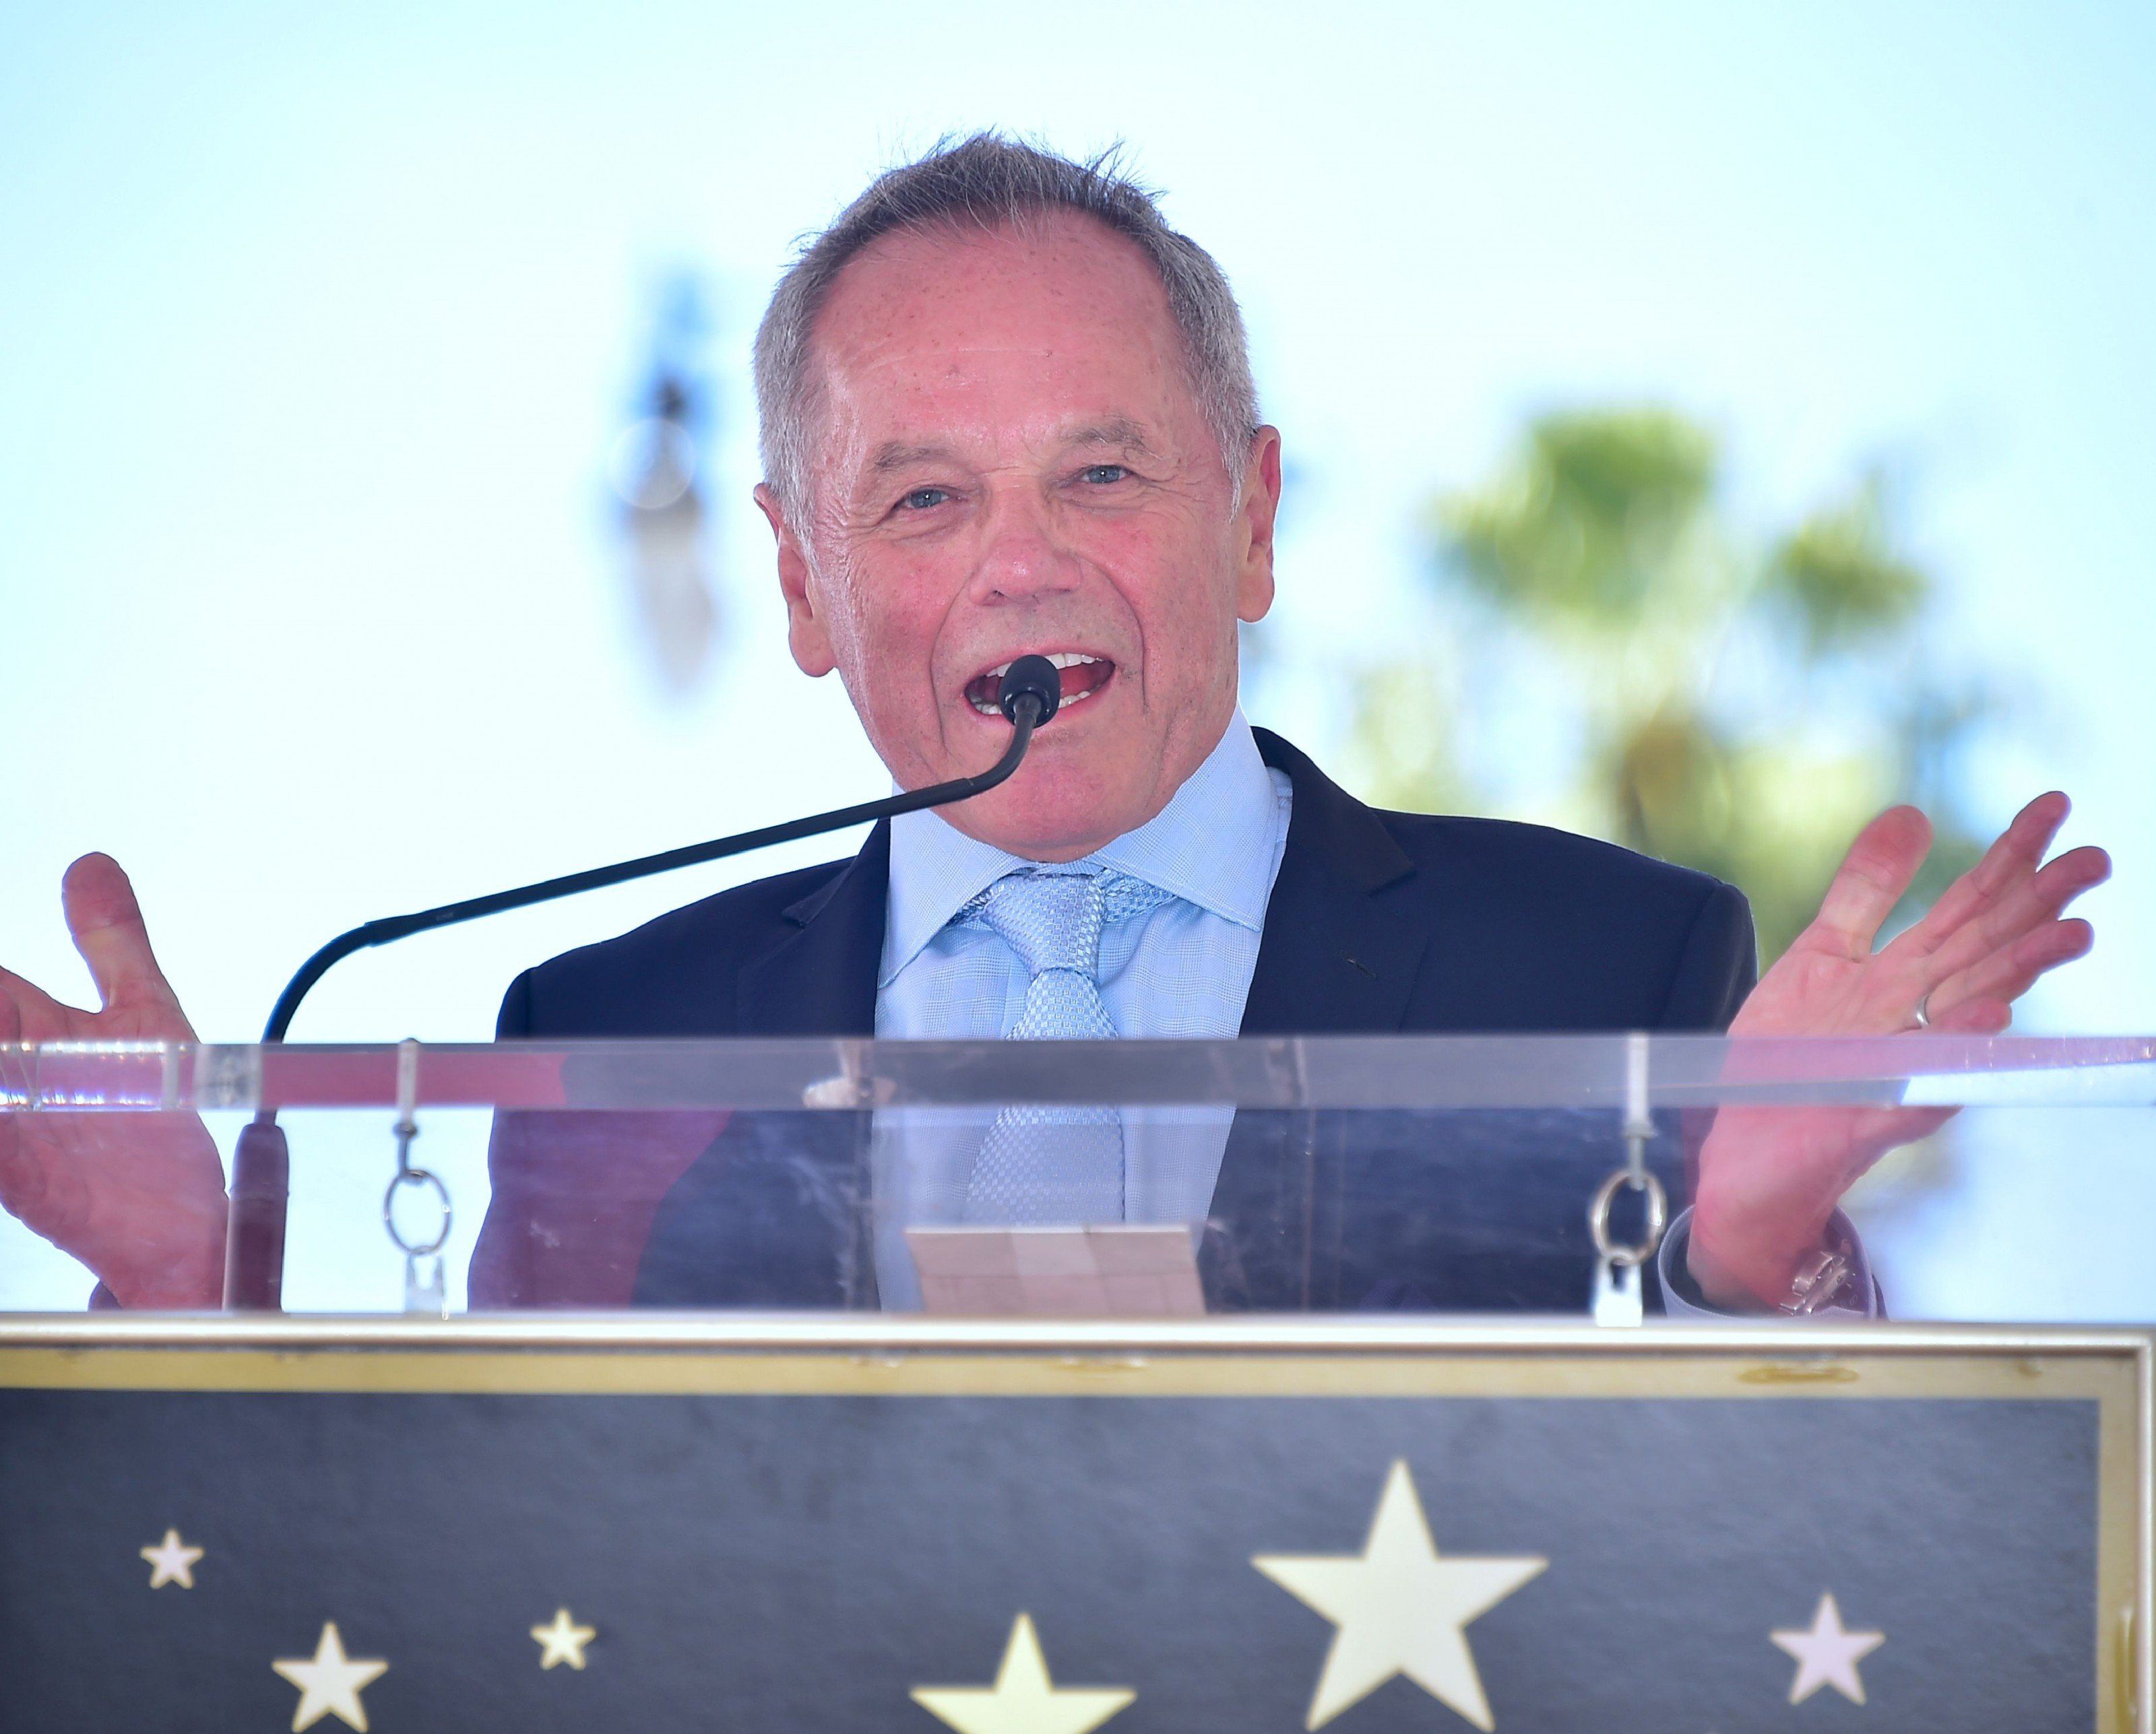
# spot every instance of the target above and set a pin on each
(656, 470)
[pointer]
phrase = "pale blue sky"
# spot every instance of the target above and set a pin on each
(315, 328)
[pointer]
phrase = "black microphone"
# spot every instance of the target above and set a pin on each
(1028, 695)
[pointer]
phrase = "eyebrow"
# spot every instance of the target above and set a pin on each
(895, 454)
(899, 456)
(1119, 431)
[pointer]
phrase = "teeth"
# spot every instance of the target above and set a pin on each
(1061, 658)
(1079, 698)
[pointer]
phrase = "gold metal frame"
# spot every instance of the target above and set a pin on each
(881, 1354)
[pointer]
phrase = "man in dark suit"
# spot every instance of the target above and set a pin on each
(1006, 410)
(1378, 923)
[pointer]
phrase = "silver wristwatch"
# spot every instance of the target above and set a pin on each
(1819, 1279)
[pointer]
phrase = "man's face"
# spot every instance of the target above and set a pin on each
(1009, 460)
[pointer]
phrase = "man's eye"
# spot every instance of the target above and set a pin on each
(922, 500)
(1101, 475)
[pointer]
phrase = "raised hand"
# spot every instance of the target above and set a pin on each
(138, 1198)
(1770, 1177)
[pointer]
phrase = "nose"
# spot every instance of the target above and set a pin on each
(1021, 558)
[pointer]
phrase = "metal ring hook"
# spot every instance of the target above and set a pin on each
(1597, 1217)
(408, 1176)
(406, 1129)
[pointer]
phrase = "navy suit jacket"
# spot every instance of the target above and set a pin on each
(1378, 922)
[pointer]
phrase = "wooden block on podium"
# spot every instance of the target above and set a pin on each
(1115, 1271)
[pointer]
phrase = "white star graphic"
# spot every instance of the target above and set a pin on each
(1023, 1700)
(562, 1641)
(1401, 1609)
(328, 1684)
(172, 1560)
(1826, 1654)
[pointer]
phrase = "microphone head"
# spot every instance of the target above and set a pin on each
(1034, 677)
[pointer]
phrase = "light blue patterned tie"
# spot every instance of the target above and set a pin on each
(1048, 1164)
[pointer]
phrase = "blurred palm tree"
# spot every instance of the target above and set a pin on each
(1740, 704)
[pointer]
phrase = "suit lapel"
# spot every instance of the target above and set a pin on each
(819, 978)
(1337, 956)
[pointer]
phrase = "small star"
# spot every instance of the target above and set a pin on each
(1400, 1608)
(1826, 1654)
(1023, 1700)
(172, 1560)
(562, 1641)
(330, 1683)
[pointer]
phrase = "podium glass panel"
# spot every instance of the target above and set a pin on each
(1395, 1175)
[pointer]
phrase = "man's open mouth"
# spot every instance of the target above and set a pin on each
(1083, 675)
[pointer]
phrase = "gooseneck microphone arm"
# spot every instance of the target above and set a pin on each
(1028, 697)
(1030, 690)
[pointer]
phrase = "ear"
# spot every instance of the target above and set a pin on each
(1261, 493)
(806, 634)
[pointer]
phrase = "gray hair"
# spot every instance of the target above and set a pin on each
(988, 182)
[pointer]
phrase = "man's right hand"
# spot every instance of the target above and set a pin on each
(138, 1198)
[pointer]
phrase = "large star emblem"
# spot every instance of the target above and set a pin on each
(1023, 1700)
(1400, 1608)
(329, 1682)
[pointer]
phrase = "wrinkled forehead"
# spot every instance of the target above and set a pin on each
(1002, 337)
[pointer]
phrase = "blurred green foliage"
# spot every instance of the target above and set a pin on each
(1738, 703)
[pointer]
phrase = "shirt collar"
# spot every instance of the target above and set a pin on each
(1212, 845)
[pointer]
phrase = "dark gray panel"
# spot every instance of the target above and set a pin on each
(783, 1563)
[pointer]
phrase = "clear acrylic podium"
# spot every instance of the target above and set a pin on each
(1401, 1175)
(713, 1350)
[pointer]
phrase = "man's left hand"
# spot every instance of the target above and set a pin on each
(1769, 1178)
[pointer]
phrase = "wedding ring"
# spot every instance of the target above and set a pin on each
(1924, 1011)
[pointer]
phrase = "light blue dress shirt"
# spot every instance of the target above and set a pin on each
(1181, 969)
